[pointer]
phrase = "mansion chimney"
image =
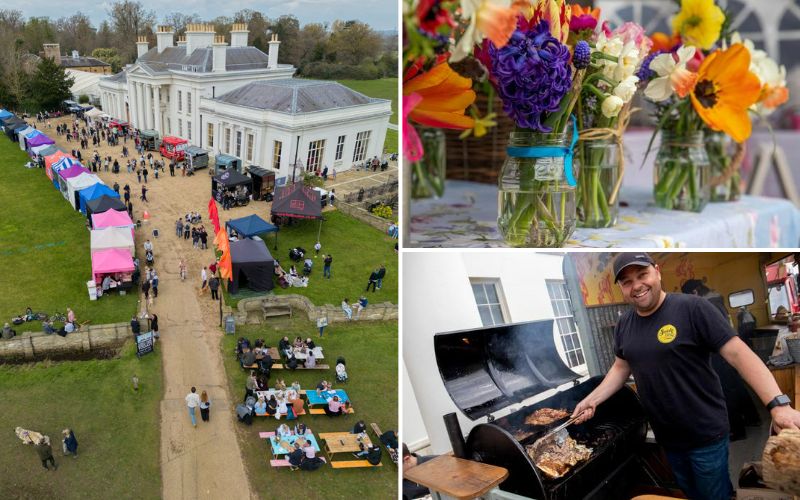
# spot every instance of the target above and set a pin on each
(164, 38)
(273, 52)
(219, 49)
(239, 34)
(141, 46)
(53, 51)
(199, 36)
(182, 41)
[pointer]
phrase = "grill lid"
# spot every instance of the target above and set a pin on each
(487, 369)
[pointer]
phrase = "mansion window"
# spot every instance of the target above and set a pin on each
(239, 144)
(210, 135)
(180, 101)
(340, 148)
(227, 140)
(362, 141)
(276, 155)
(188, 103)
(189, 129)
(250, 141)
(489, 301)
(180, 127)
(315, 151)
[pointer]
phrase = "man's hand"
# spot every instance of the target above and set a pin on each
(785, 417)
(587, 407)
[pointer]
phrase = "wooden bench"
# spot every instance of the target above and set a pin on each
(321, 411)
(277, 462)
(349, 464)
(278, 366)
(254, 366)
(274, 311)
(392, 451)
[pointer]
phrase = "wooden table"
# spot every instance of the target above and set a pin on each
(456, 477)
(343, 442)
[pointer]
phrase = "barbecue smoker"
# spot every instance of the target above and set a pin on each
(488, 369)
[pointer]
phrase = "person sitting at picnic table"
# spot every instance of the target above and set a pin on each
(280, 385)
(284, 345)
(324, 385)
(310, 343)
(311, 360)
(309, 450)
(261, 406)
(282, 408)
(262, 382)
(272, 406)
(296, 402)
(334, 408)
(284, 431)
(248, 358)
(300, 429)
(359, 427)
(296, 456)
(296, 386)
(298, 343)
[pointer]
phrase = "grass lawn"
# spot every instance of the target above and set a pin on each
(117, 429)
(371, 353)
(44, 249)
(385, 88)
(357, 249)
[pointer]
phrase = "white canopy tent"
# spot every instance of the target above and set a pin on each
(75, 184)
(112, 237)
(21, 136)
(36, 149)
(95, 113)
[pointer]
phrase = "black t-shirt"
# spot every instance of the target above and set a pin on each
(669, 353)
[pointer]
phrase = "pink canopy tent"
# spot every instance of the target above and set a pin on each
(112, 218)
(110, 261)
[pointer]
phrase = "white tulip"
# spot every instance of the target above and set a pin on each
(611, 106)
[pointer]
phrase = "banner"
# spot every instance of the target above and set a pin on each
(144, 344)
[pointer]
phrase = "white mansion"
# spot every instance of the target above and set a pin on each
(239, 101)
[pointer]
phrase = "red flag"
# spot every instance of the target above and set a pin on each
(213, 214)
(221, 241)
(225, 265)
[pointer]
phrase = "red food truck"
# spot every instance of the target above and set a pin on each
(174, 148)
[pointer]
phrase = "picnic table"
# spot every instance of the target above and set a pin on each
(272, 392)
(278, 444)
(345, 442)
(273, 353)
(301, 355)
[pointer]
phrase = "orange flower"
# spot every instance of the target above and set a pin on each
(445, 96)
(664, 42)
(577, 10)
(725, 89)
(772, 97)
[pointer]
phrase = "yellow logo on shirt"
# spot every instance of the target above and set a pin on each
(667, 334)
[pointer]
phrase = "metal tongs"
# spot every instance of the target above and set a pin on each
(557, 435)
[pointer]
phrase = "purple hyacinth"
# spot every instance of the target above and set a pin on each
(582, 55)
(533, 75)
(645, 73)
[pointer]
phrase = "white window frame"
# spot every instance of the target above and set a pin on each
(251, 139)
(210, 138)
(362, 143)
(486, 308)
(180, 102)
(189, 129)
(227, 140)
(316, 151)
(180, 127)
(238, 144)
(340, 147)
(188, 102)
(277, 150)
(564, 319)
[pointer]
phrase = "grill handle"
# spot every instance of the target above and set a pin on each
(456, 437)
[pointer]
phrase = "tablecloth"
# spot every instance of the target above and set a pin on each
(314, 399)
(466, 216)
(277, 449)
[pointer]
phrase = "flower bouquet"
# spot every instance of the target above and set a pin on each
(603, 112)
(696, 89)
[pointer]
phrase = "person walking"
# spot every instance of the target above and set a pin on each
(146, 289)
(214, 286)
(144, 193)
(381, 275)
(139, 175)
(326, 268)
(130, 209)
(70, 443)
(203, 279)
(171, 168)
(665, 341)
(192, 402)
(45, 452)
(144, 174)
(154, 284)
(317, 248)
(179, 227)
(205, 404)
(373, 280)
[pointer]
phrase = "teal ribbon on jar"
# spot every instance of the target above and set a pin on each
(551, 152)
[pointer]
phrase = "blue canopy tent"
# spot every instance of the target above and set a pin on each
(252, 225)
(93, 192)
(5, 114)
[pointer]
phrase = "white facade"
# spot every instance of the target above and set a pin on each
(176, 93)
(438, 297)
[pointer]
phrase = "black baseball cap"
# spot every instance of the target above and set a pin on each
(624, 260)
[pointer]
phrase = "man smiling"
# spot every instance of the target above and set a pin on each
(666, 342)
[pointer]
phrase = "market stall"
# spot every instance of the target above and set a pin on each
(64, 163)
(12, 125)
(174, 148)
(223, 162)
(38, 140)
(114, 262)
(150, 139)
(253, 266)
(112, 237)
(250, 226)
(231, 183)
(112, 218)
(75, 184)
(118, 126)
(263, 182)
(60, 178)
(92, 193)
(297, 201)
(104, 203)
(22, 136)
(197, 157)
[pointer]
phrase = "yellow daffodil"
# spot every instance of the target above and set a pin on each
(699, 23)
(725, 89)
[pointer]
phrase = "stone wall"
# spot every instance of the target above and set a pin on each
(94, 341)
(249, 311)
(378, 223)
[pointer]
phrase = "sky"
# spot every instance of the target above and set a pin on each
(380, 14)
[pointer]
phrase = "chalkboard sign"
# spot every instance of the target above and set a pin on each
(144, 343)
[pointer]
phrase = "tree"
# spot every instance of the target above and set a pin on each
(105, 37)
(312, 42)
(129, 19)
(110, 56)
(179, 21)
(37, 32)
(353, 42)
(50, 85)
(288, 29)
(76, 33)
(257, 25)
(16, 78)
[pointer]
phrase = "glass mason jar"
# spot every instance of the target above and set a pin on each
(725, 186)
(682, 173)
(598, 167)
(427, 175)
(536, 204)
